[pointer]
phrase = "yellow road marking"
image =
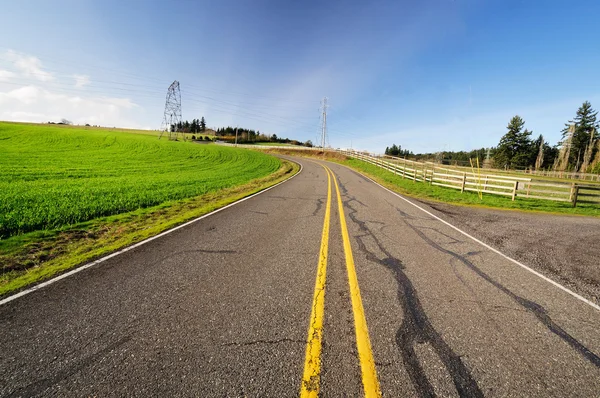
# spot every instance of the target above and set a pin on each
(363, 343)
(312, 363)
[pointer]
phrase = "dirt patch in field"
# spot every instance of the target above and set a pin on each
(564, 248)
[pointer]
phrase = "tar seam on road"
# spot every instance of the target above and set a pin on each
(552, 282)
(416, 327)
(101, 260)
(312, 362)
(536, 309)
(363, 343)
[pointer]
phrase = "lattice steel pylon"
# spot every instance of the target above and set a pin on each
(172, 118)
(323, 110)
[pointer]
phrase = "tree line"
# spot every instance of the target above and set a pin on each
(578, 150)
(195, 126)
(396, 150)
(249, 136)
(228, 134)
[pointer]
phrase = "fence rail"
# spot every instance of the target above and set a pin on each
(567, 175)
(493, 184)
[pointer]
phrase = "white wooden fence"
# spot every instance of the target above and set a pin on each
(493, 184)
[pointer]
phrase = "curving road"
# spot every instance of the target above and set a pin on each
(282, 295)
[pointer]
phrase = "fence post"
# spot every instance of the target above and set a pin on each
(432, 174)
(574, 193)
(464, 181)
(514, 194)
(404, 169)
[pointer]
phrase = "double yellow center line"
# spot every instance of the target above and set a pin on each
(312, 364)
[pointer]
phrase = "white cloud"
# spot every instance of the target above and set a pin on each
(6, 75)
(52, 98)
(29, 65)
(37, 104)
(26, 95)
(81, 80)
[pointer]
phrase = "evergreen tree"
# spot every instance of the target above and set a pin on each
(515, 147)
(202, 124)
(586, 125)
(394, 150)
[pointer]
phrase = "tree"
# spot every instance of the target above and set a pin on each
(202, 124)
(274, 138)
(308, 144)
(515, 147)
(394, 150)
(584, 134)
(543, 155)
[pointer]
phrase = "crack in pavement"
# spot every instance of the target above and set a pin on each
(452, 239)
(416, 327)
(268, 342)
(405, 214)
(351, 198)
(206, 251)
(536, 309)
(319, 206)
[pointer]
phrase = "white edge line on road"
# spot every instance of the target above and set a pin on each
(558, 285)
(128, 248)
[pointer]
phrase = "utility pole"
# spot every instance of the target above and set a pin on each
(323, 122)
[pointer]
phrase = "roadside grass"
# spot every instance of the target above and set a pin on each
(434, 193)
(39, 255)
(53, 176)
(440, 194)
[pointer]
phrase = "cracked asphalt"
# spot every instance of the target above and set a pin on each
(221, 308)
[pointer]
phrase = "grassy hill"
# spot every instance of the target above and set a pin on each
(52, 176)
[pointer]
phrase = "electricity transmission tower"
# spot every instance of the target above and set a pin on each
(172, 117)
(323, 122)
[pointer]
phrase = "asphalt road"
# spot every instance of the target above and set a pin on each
(222, 307)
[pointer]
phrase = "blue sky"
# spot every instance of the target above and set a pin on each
(428, 75)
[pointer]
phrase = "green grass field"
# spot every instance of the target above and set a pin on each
(55, 176)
